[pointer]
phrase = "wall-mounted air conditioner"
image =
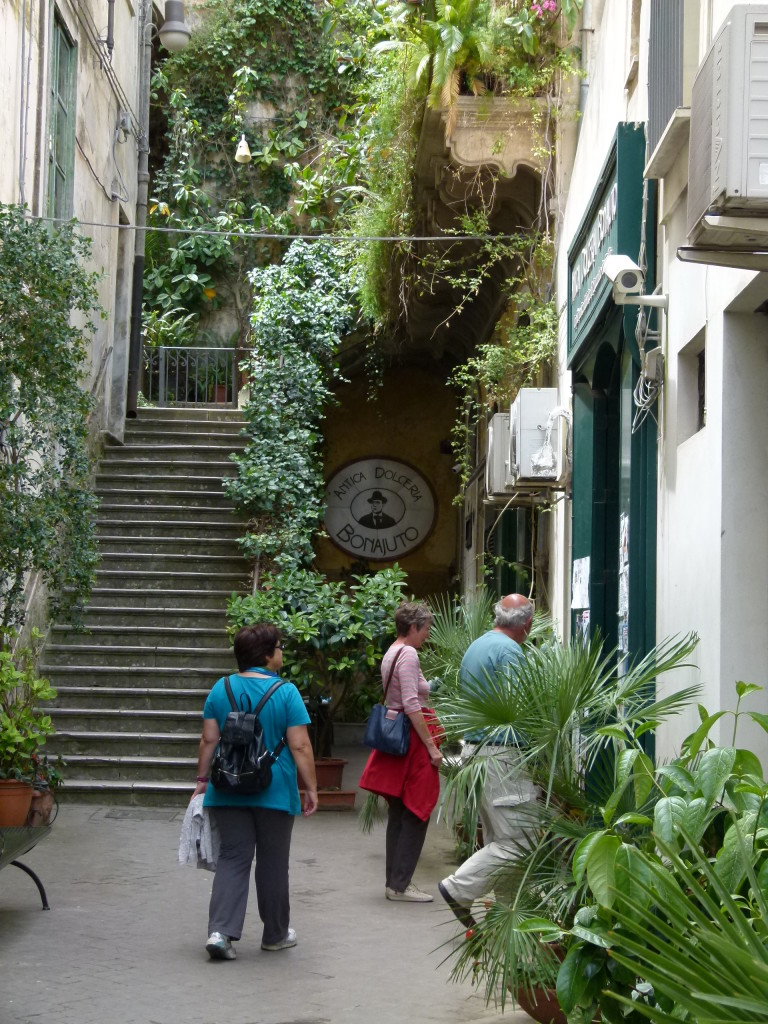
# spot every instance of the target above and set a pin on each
(497, 479)
(536, 431)
(728, 149)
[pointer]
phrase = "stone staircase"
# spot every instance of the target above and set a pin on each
(131, 688)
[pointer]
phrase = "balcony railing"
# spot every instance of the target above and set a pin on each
(184, 376)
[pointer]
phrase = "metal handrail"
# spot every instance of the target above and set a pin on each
(178, 375)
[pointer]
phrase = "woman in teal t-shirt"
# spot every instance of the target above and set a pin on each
(259, 823)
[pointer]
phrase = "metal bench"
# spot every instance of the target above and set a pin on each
(15, 842)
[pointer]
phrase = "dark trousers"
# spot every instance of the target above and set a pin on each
(245, 830)
(405, 838)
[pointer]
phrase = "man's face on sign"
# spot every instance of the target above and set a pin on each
(376, 506)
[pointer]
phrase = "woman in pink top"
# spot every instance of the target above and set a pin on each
(410, 784)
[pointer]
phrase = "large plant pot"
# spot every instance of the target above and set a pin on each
(329, 772)
(15, 799)
(41, 808)
(542, 1006)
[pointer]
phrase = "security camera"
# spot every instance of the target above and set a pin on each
(625, 275)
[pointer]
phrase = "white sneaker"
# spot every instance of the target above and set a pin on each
(219, 947)
(286, 943)
(410, 895)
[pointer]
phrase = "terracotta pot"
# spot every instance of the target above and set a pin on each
(15, 798)
(329, 772)
(41, 807)
(542, 1005)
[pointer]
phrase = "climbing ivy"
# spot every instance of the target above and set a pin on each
(47, 301)
(521, 350)
(304, 308)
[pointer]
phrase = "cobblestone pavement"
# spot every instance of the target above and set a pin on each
(123, 941)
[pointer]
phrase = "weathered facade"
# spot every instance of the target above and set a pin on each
(69, 123)
(667, 533)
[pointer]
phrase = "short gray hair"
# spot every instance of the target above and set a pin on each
(512, 618)
(412, 613)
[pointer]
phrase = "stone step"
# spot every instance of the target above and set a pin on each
(149, 635)
(159, 599)
(165, 482)
(130, 767)
(134, 697)
(225, 530)
(68, 741)
(130, 545)
(195, 415)
(124, 616)
(148, 579)
(130, 720)
(112, 512)
(159, 497)
(216, 659)
(224, 435)
(126, 793)
(188, 461)
(171, 562)
(169, 677)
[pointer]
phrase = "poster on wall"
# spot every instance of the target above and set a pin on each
(378, 509)
(623, 612)
(580, 583)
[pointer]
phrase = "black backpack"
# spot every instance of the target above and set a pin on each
(242, 762)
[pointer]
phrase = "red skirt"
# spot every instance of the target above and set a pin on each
(413, 778)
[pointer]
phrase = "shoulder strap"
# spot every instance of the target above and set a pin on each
(389, 677)
(279, 748)
(231, 695)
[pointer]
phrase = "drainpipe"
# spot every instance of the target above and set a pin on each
(586, 33)
(142, 194)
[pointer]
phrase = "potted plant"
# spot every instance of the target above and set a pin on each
(335, 633)
(578, 717)
(23, 728)
(46, 779)
(672, 879)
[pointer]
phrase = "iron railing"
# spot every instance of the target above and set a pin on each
(183, 376)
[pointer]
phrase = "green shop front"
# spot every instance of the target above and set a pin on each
(613, 570)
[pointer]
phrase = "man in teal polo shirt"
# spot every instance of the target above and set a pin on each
(508, 791)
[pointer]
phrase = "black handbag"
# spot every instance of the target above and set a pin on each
(390, 735)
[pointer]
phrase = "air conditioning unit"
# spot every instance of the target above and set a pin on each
(536, 438)
(497, 478)
(728, 149)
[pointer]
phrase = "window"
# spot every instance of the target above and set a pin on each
(665, 66)
(692, 388)
(61, 126)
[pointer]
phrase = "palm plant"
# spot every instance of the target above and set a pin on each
(578, 719)
(456, 625)
(701, 950)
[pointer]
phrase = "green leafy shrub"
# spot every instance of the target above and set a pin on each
(23, 725)
(47, 507)
(335, 632)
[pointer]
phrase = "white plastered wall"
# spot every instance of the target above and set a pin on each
(713, 482)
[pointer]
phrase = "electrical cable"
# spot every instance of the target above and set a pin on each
(91, 168)
(123, 197)
(287, 237)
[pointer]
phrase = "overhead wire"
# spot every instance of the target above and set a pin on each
(280, 236)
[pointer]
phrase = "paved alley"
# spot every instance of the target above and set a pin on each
(123, 941)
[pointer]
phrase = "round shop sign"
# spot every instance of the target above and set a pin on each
(378, 509)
